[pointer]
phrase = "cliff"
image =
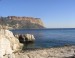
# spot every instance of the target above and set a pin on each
(21, 22)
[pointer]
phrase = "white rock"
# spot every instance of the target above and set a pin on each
(5, 48)
(29, 37)
(8, 43)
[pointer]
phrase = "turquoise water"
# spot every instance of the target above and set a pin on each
(46, 38)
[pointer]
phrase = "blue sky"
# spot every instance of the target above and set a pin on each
(54, 13)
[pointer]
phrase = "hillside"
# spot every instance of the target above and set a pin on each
(14, 22)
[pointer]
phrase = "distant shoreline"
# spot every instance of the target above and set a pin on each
(47, 29)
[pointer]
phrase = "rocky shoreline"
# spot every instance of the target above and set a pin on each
(10, 47)
(59, 52)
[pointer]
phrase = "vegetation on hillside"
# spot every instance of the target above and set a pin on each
(19, 24)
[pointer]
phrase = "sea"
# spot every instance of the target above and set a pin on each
(47, 38)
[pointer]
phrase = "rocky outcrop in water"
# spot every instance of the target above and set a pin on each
(14, 22)
(25, 38)
(29, 37)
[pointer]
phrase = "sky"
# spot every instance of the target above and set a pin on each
(54, 13)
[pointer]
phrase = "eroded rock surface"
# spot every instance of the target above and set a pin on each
(61, 52)
(25, 38)
(8, 43)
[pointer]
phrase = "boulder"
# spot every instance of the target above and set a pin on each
(17, 35)
(5, 47)
(25, 38)
(22, 39)
(8, 43)
(14, 41)
(29, 37)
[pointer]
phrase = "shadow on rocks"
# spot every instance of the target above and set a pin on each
(70, 56)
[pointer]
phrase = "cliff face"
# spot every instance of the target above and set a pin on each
(21, 22)
(30, 19)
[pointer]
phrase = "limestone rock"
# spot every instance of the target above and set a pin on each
(21, 38)
(29, 37)
(25, 38)
(21, 22)
(14, 42)
(31, 19)
(59, 52)
(5, 46)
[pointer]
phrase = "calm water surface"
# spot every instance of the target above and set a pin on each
(46, 38)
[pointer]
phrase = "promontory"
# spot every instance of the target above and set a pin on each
(16, 22)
